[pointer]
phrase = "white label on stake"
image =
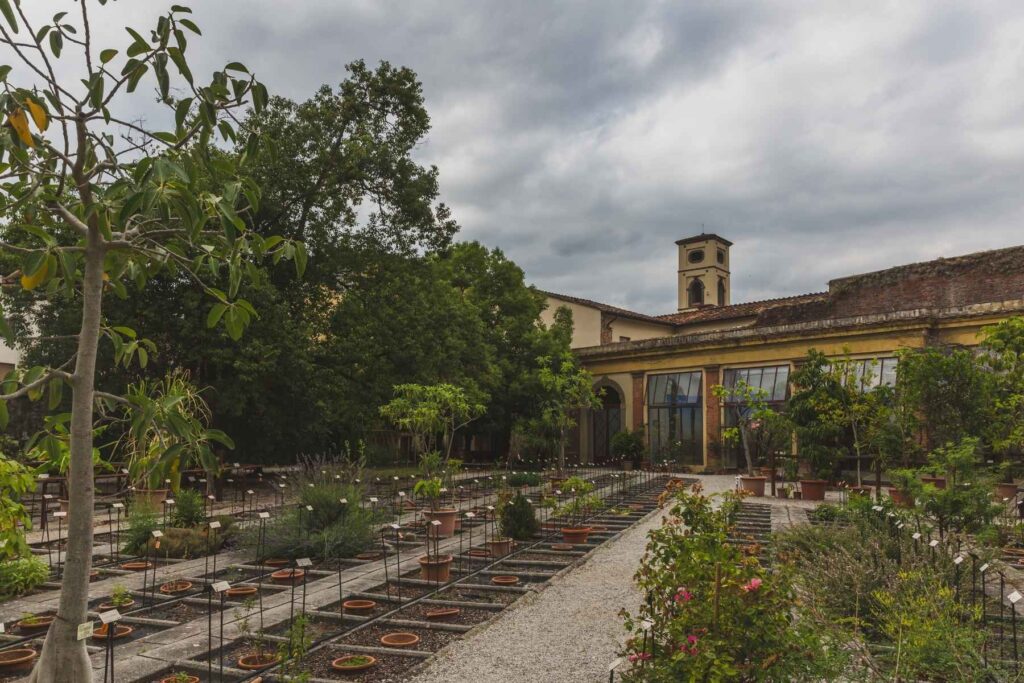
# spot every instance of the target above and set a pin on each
(343, 501)
(401, 494)
(647, 624)
(220, 586)
(916, 536)
(1, 627)
(214, 524)
(373, 499)
(58, 515)
(491, 508)
(615, 664)
(264, 515)
(877, 508)
(958, 559)
(1014, 597)
(157, 533)
(282, 485)
(934, 542)
(250, 492)
(44, 476)
(303, 562)
(396, 527)
(169, 501)
(212, 497)
(238, 464)
(309, 507)
(435, 522)
(85, 630)
(117, 506)
(470, 515)
(110, 617)
(983, 567)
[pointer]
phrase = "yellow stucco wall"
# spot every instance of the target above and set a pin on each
(586, 321)
(637, 330)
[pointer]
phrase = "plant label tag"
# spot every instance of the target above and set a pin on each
(615, 664)
(557, 492)
(892, 514)
(470, 515)
(169, 501)
(157, 533)
(264, 515)
(303, 562)
(1014, 597)
(44, 475)
(373, 499)
(220, 586)
(282, 485)
(647, 624)
(396, 527)
(231, 481)
(59, 515)
(215, 524)
(958, 559)
(934, 542)
(983, 567)
(2, 627)
(310, 485)
(309, 508)
(110, 617)
(401, 494)
(877, 508)
(117, 506)
(916, 536)
(284, 476)
(84, 630)
(202, 481)
(211, 498)
(343, 501)
(395, 478)
(250, 492)
(47, 496)
(238, 464)
(491, 508)
(191, 478)
(435, 522)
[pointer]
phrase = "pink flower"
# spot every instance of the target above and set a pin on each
(751, 585)
(683, 595)
(691, 639)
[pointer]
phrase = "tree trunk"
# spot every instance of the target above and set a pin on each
(561, 453)
(745, 441)
(64, 657)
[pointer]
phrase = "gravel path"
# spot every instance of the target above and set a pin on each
(570, 631)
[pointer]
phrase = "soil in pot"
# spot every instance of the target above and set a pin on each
(35, 625)
(505, 580)
(136, 566)
(107, 606)
(17, 661)
(276, 562)
(353, 663)
(387, 668)
(813, 489)
(176, 587)
(255, 661)
(241, 591)
(288, 576)
(1005, 490)
(754, 485)
(399, 639)
(575, 535)
(435, 568)
(431, 640)
(120, 631)
(359, 606)
(178, 679)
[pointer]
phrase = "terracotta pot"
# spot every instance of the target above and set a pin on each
(478, 552)
(435, 568)
(458, 523)
(373, 555)
(153, 498)
(442, 613)
(627, 465)
(754, 485)
(344, 664)
(901, 499)
(120, 631)
(255, 662)
(107, 606)
(446, 517)
(175, 587)
(241, 591)
(562, 547)
(94, 574)
(288, 575)
(813, 489)
(21, 659)
(937, 482)
(39, 625)
(505, 580)
(275, 562)
(500, 547)
(574, 535)
(1006, 491)
(359, 606)
(173, 679)
(136, 566)
(65, 505)
(399, 639)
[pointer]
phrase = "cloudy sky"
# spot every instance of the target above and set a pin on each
(585, 137)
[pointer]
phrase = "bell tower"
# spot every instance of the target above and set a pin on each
(703, 271)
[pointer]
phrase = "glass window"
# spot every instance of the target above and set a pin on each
(696, 256)
(869, 373)
(675, 420)
(773, 379)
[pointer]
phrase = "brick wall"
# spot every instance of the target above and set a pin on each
(639, 404)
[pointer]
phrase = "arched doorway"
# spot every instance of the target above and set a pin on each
(606, 422)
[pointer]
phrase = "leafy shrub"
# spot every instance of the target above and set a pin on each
(628, 445)
(189, 509)
(578, 484)
(518, 520)
(331, 529)
(141, 525)
(524, 479)
(21, 575)
(195, 542)
(717, 614)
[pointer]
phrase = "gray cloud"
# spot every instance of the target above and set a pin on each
(583, 138)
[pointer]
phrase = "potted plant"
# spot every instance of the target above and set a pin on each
(120, 598)
(432, 490)
(33, 624)
(259, 657)
(576, 512)
(905, 487)
(180, 677)
(518, 521)
(176, 586)
(933, 475)
(436, 568)
(628, 448)
(353, 663)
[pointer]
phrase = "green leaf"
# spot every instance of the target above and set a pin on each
(56, 392)
(259, 96)
(181, 111)
(56, 43)
(8, 12)
(126, 331)
(4, 416)
(179, 61)
(236, 66)
(190, 25)
(300, 258)
(215, 314)
(220, 437)
(107, 55)
(4, 71)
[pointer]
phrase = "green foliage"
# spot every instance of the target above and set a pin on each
(189, 509)
(717, 614)
(15, 481)
(427, 411)
(294, 649)
(579, 485)
(518, 479)
(518, 519)
(760, 429)
(965, 504)
(120, 596)
(331, 529)
(628, 445)
(141, 525)
(20, 575)
(429, 489)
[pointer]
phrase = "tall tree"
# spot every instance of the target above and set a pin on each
(94, 202)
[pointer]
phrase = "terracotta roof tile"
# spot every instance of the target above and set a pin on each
(613, 310)
(748, 309)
